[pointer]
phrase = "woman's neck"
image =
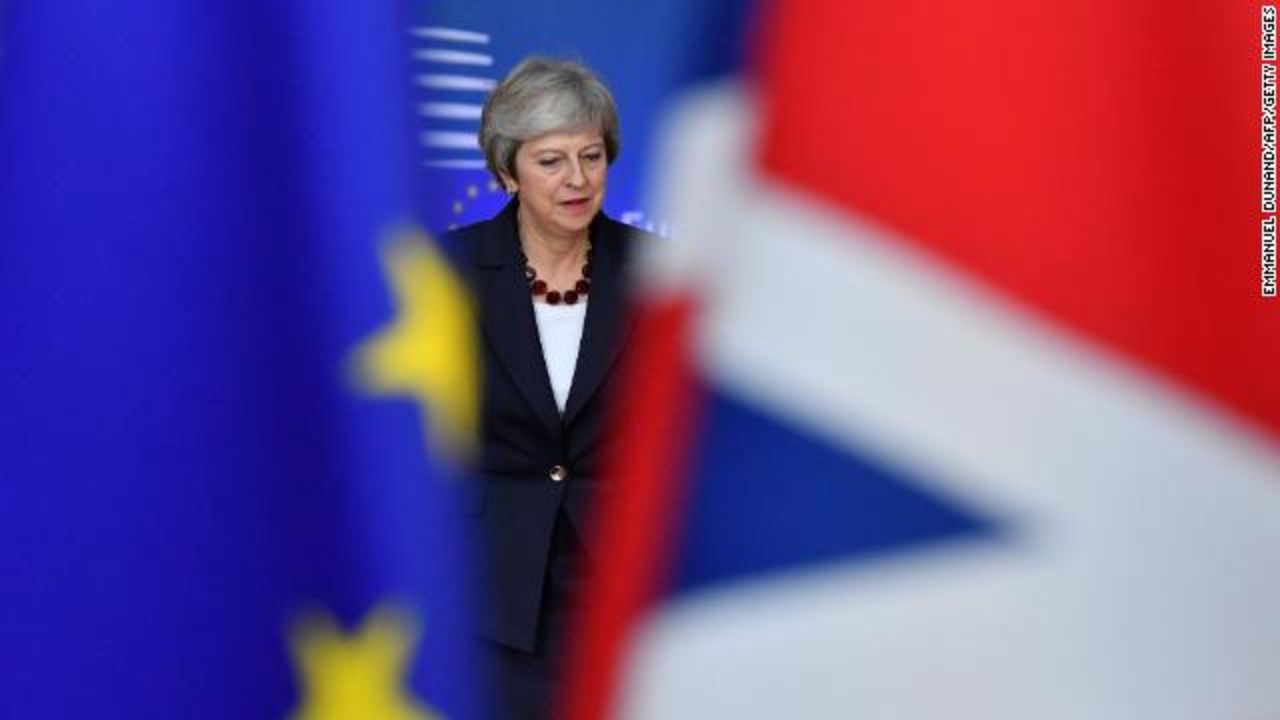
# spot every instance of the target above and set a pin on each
(557, 258)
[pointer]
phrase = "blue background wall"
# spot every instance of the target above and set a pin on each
(645, 51)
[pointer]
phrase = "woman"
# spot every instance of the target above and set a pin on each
(547, 275)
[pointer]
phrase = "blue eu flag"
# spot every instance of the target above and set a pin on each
(234, 375)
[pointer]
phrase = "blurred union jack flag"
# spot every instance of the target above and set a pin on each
(954, 395)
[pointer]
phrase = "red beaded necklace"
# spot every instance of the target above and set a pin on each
(555, 297)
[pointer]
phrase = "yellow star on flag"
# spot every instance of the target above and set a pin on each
(428, 351)
(343, 676)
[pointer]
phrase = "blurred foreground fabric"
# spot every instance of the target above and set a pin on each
(958, 397)
(231, 370)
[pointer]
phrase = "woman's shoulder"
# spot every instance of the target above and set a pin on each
(624, 237)
(471, 233)
(482, 242)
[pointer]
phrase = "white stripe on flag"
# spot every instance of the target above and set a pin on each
(455, 164)
(455, 82)
(450, 111)
(449, 140)
(453, 57)
(450, 35)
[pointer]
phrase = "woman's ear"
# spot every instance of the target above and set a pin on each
(509, 183)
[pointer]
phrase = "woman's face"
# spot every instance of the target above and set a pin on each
(561, 177)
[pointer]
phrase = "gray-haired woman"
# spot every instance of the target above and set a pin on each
(547, 277)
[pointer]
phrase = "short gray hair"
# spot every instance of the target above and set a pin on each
(543, 95)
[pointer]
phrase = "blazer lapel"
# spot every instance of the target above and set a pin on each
(603, 331)
(507, 318)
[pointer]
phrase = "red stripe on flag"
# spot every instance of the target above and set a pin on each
(647, 477)
(1097, 161)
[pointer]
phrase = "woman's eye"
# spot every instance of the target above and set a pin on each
(593, 157)
(548, 162)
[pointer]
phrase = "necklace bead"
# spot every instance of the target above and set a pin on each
(538, 288)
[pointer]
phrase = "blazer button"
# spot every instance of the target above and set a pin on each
(558, 473)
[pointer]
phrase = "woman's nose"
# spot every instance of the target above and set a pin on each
(577, 176)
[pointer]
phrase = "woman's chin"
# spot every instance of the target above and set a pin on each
(574, 222)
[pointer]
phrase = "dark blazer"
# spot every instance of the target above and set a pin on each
(524, 438)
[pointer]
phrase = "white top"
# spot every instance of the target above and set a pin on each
(560, 330)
